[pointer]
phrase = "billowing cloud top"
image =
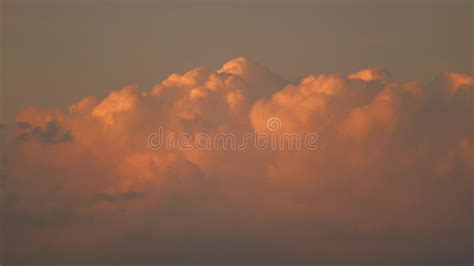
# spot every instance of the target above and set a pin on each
(389, 182)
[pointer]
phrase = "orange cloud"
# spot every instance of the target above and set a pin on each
(391, 176)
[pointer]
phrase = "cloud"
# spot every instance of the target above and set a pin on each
(260, 80)
(50, 133)
(391, 180)
(371, 74)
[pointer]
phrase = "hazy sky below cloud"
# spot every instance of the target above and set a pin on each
(55, 54)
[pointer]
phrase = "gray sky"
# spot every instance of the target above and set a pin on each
(55, 54)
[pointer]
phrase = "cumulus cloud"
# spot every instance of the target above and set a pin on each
(50, 133)
(391, 179)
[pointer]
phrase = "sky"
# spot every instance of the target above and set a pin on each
(55, 54)
(237, 134)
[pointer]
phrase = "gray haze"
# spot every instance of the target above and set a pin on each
(55, 54)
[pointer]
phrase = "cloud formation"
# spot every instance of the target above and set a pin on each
(391, 181)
